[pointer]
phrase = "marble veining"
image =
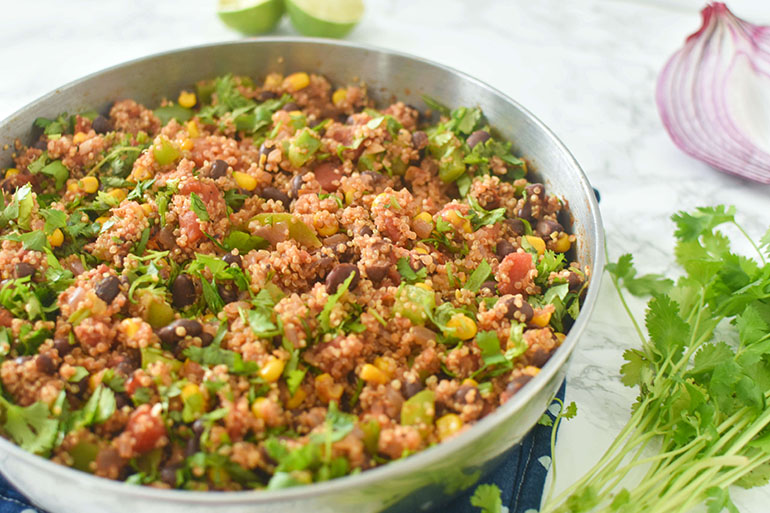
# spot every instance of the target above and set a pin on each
(587, 68)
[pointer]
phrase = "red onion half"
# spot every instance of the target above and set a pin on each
(714, 95)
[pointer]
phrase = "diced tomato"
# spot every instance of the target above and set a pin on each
(513, 273)
(145, 429)
(208, 192)
(188, 222)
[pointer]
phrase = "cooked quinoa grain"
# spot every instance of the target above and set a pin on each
(270, 289)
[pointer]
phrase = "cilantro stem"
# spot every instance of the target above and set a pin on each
(616, 284)
(112, 154)
(751, 241)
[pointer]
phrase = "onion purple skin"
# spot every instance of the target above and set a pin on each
(692, 93)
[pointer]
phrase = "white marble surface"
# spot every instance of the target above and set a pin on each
(587, 68)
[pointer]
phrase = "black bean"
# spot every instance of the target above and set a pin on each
(479, 136)
(490, 202)
(206, 339)
(166, 237)
(100, 124)
(193, 446)
(183, 291)
(538, 356)
(339, 274)
(377, 273)
(290, 107)
(23, 269)
(232, 258)
(535, 190)
(366, 231)
(518, 309)
(45, 364)
(490, 286)
(575, 281)
(516, 384)
(263, 96)
(179, 329)
(516, 226)
(41, 144)
(410, 388)
(546, 227)
(62, 346)
(338, 244)
(121, 400)
(375, 176)
(228, 291)
(108, 289)
(296, 185)
(168, 474)
(419, 139)
(504, 248)
(218, 169)
(467, 394)
(525, 212)
(276, 195)
(264, 150)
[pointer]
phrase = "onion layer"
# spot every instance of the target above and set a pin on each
(714, 95)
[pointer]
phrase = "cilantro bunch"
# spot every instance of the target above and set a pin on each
(702, 419)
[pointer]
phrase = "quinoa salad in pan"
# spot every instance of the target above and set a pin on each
(268, 284)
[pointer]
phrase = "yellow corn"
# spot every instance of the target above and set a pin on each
(424, 216)
(296, 400)
(536, 242)
(56, 239)
(273, 80)
(424, 286)
(272, 370)
(454, 218)
(372, 374)
(89, 184)
(328, 390)
(139, 173)
(186, 144)
(245, 181)
(560, 336)
(192, 129)
(72, 186)
(257, 406)
(470, 382)
(350, 197)
(464, 327)
(339, 96)
(189, 390)
(94, 380)
(531, 369)
(187, 99)
(103, 219)
(130, 327)
(148, 210)
(448, 426)
(421, 250)
(79, 137)
(325, 225)
(562, 244)
(297, 81)
(11, 171)
(386, 365)
(541, 318)
(118, 194)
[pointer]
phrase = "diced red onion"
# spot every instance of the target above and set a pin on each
(714, 95)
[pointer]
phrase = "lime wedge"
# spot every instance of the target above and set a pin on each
(324, 18)
(251, 16)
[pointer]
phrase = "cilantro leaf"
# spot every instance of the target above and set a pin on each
(704, 219)
(29, 427)
(57, 171)
(199, 207)
(294, 379)
(648, 284)
(487, 497)
(33, 241)
(323, 318)
(408, 274)
(480, 217)
(213, 354)
(479, 276)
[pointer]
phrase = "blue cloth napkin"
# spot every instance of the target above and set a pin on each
(521, 478)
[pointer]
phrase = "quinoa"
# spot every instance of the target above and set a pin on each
(271, 285)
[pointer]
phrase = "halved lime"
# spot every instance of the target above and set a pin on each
(324, 18)
(251, 16)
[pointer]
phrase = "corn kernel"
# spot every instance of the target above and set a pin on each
(72, 186)
(11, 171)
(56, 239)
(386, 365)
(424, 286)
(349, 197)
(258, 405)
(272, 370)
(339, 96)
(89, 184)
(421, 250)
(541, 318)
(448, 426)
(245, 181)
(189, 390)
(560, 336)
(139, 173)
(470, 382)
(536, 242)
(101, 220)
(186, 144)
(94, 380)
(192, 129)
(325, 225)
(296, 400)
(118, 194)
(297, 81)
(463, 326)
(79, 137)
(531, 369)
(424, 216)
(187, 99)
(147, 209)
(327, 389)
(372, 374)
(273, 80)
(456, 219)
(130, 327)
(562, 244)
